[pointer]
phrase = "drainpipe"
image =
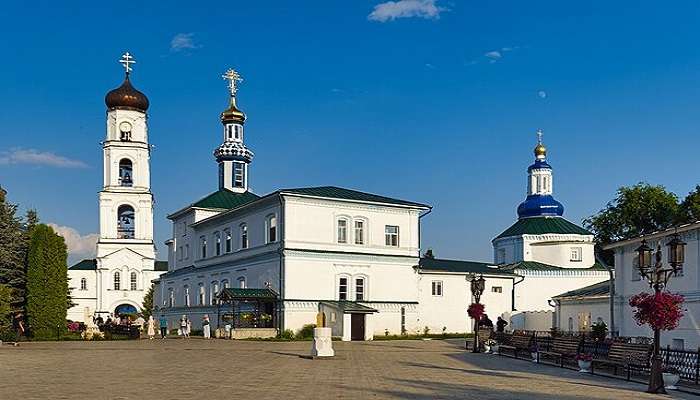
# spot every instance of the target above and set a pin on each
(283, 236)
(419, 230)
(611, 271)
(512, 293)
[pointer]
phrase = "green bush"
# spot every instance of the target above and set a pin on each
(287, 334)
(306, 332)
(599, 330)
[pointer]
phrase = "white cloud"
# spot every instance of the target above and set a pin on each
(493, 56)
(36, 157)
(183, 42)
(542, 94)
(79, 246)
(392, 10)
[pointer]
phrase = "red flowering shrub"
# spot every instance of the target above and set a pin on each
(475, 310)
(660, 311)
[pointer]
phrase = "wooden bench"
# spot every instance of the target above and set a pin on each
(561, 348)
(517, 344)
(625, 355)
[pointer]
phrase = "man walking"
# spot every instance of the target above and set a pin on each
(163, 327)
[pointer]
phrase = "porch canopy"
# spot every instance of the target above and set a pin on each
(249, 308)
(349, 307)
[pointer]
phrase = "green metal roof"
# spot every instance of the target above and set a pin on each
(538, 266)
(459, 266)
(84, 265)
(542, 225)
(347, 306)
(333, 192)
(225, 199)
(247, 294)
(597, 289)
(161, 266)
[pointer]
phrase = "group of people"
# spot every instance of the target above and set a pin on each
(485, 322)
(184, 327)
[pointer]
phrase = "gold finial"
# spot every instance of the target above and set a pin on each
(540, 150)
(233, 78)
(232, 113)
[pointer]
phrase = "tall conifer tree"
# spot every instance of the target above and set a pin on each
(47, 282)
(12, 252)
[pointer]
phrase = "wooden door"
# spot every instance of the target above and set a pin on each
(357, 326)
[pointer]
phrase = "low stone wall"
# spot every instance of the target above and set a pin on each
(247, 333)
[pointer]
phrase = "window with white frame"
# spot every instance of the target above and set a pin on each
(391, 235)
(133, 281)
(83, 284)
(203, 246)
(171, 297)
(271, 228)
(496, 289)
(202, 294)
(436, 288)
(117, 281)
(187, 252)
(213, 291)
(238, 174)
(244, 236)
(342, 230)
(187, 296)
(576, 254)
(343, 288)
(224, 284)
(227, 236)
(241, 282)
(217, 243)
(359, 232)
(359, 289)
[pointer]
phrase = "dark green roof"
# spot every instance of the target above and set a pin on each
(84, 265)
(161, 266)
(538, 266)
(542, 225)
(597, 289)
(459, 266)
(346, 306)
(333, 192)
(244, 294)
(225, 199)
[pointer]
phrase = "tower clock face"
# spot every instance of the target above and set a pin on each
(125, 127)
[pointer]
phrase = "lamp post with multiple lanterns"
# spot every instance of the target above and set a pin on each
(477, 288)
(657, 276)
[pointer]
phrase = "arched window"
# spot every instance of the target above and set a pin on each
(126, 177)
(217, 243)
(126, 226)
(224, 284)
(201, 294)
(83, 284)
(117, 281)
(132, 281)
(271, 223)
(571, 324)
(343, 287)
(244, 236)
(342, 234)
(214, 290)
(171, 297)
(187, 296)
(359, 289)
(360, 231)
(227, 236)
(241, 282)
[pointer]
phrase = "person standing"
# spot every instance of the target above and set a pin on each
(183, 326)
(163, 327)
(206, 328)
(151, 328)
(501, 325)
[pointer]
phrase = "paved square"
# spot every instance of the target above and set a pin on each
(198, 369)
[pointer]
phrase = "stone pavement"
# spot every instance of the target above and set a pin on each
(217, 369)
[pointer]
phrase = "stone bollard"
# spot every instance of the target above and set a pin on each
(322, 344)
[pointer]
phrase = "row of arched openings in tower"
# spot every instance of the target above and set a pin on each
(117, 282)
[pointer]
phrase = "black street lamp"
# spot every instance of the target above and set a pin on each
(657, 276)
(477, 288)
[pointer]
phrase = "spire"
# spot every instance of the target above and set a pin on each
(232, 113)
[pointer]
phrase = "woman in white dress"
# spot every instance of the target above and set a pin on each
(184, 322)
(206, 328)
(151, 328)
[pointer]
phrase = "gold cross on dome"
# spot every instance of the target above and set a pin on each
(233, 79)
(126, 61)
(539, 136)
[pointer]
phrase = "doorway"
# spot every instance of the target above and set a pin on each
(357, 326)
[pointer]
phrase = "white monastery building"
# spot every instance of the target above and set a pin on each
(117, 279)
(268, 263)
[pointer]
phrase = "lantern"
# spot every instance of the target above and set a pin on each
(477, 285)
(644, 254)
(676, 252)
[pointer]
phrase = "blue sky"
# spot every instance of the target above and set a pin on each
(431, 101)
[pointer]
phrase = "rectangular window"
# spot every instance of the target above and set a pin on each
(576, 254)
(244, 236)
(359, 232)
(241, 282)
(496, 289)
(179, 253)
(227, 235)
(391, 235)
(238, 175)
(359, 289)
(678, 344)
(171, 298)
(217, 245)
(214, 290)
(272, 229)
(201, 294)
(343, 289)
(436, 288)
(203, 245)
(187, 296)
(342, 231)
(187, 251)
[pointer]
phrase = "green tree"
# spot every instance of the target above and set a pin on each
(690, 207)
(47, 282)
(6, 330)
(147, 305)
(12, 252)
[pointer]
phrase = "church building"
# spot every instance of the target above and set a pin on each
(115, 282)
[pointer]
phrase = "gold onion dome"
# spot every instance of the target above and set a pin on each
(232, 113)
(540, 151)
(126, 97)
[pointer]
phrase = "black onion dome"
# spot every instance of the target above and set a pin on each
(127, 97)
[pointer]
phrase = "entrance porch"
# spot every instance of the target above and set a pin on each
(349, 320)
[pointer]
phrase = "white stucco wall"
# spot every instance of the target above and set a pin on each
(538, 287)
